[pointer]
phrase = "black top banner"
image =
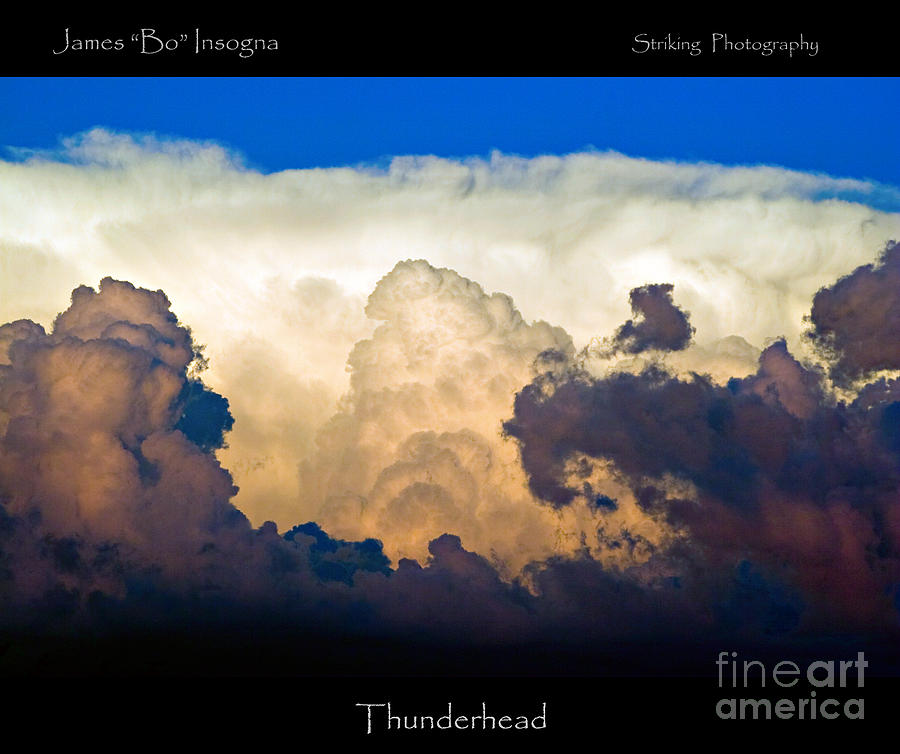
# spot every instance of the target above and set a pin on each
(67, 44)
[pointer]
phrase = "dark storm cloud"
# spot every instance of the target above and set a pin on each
(723, 439)
(778, 470)
(856, 322)
(658, 323)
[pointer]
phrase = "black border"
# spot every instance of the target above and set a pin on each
(329, 43)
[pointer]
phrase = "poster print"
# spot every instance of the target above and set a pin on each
(452, 407)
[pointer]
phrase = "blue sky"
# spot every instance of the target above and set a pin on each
(844, 127)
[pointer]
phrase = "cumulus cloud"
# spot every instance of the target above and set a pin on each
(116, 513)
(114, 506)
(438, 455)
(279, 266)
(88, 414)
(416, 449)
(773, 468)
